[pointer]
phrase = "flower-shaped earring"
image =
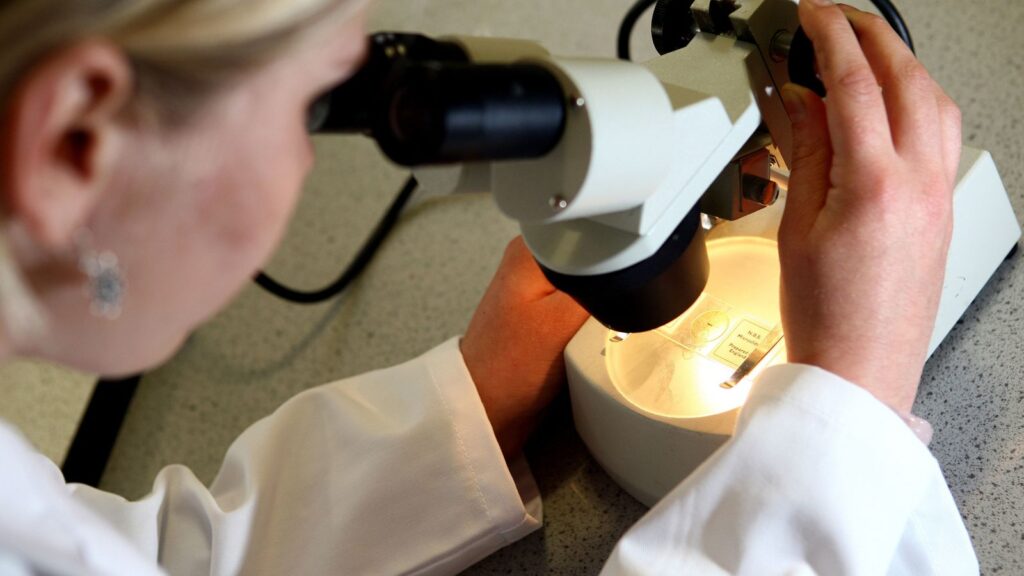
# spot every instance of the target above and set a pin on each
(106, 280)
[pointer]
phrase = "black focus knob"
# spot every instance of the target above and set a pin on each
(673, 25)
(802, 68)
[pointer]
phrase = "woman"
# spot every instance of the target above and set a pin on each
(152, 151)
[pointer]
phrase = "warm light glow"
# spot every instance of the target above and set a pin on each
(677, 370)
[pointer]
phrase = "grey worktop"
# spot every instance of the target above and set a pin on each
(424, 285)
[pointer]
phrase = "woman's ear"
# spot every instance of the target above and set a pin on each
(60, 135)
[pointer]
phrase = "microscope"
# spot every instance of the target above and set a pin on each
(652, 194)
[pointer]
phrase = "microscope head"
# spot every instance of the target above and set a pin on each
(607, 165)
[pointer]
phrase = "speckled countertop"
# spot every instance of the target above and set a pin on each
(424, 285)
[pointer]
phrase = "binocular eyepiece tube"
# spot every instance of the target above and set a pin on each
(467, 113)
(425, 103)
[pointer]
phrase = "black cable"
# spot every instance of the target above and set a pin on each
(628, 23)
(885, 8)
(895, 19)
(98, 429)
(359, 263)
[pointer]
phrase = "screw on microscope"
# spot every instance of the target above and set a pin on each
(558, 203)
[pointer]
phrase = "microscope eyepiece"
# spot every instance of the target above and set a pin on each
(426, 103)
(438, 114)
(349, 107)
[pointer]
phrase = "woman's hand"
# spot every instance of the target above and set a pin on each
(868, 221)
(513, 347)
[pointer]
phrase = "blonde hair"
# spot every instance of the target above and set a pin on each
(181, 49)
(181, 52)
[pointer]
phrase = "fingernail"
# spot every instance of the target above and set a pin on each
(821, 2)
(794, 103)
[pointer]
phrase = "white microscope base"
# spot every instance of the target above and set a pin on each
(985, 230)
(649, 454)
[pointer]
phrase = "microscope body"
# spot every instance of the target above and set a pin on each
(657, 207)
(645, 149)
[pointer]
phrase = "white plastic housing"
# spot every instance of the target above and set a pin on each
(642, 453)
(984, 230)
(715, 114)
(616, 150)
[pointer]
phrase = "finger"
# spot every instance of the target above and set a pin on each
(907, 88)
(811, 164)
(952, 135)
(856, 111)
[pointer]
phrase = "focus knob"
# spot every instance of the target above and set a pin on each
(673, 25)
(802, 67)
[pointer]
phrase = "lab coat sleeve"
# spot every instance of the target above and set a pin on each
(392, 472)
(819, 478)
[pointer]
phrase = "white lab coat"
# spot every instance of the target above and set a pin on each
(398, 472)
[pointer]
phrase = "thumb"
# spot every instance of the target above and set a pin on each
(520, 275)
(811, 164)
(563, 316)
